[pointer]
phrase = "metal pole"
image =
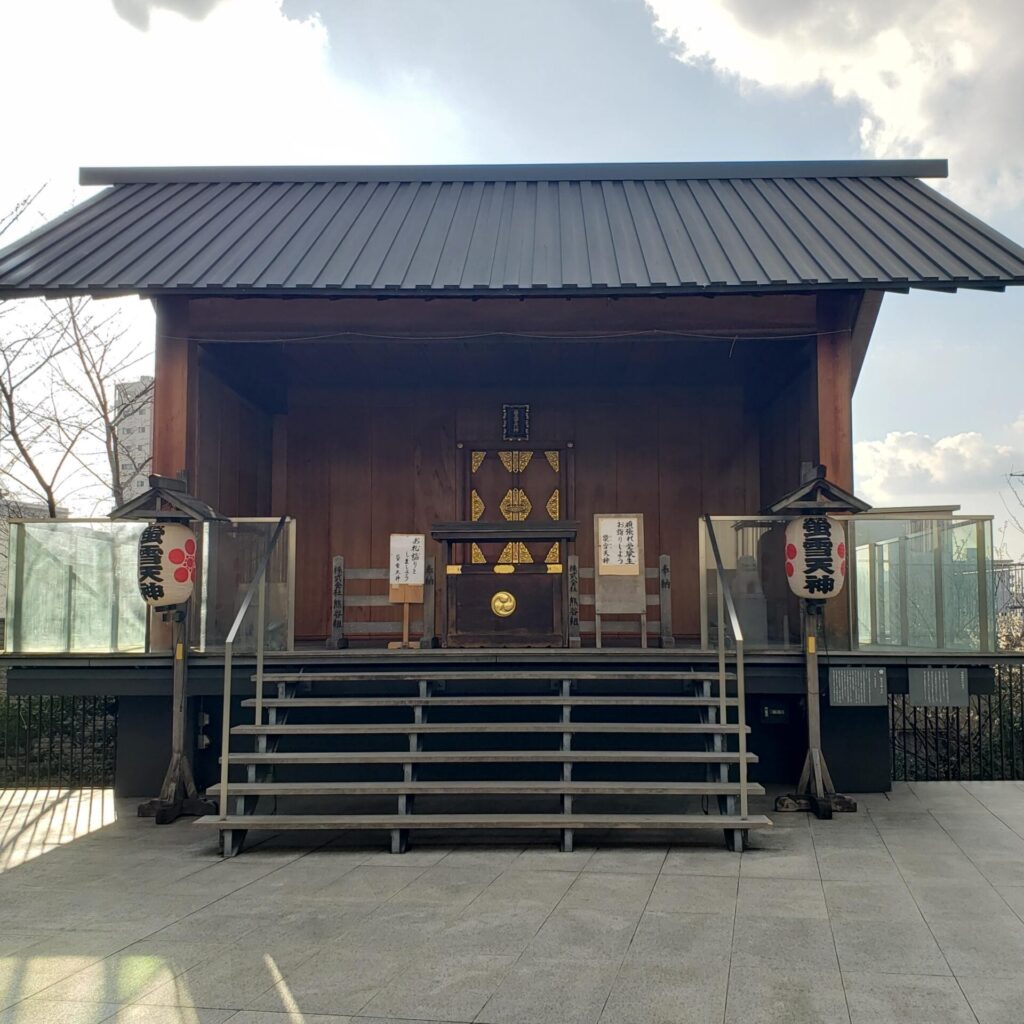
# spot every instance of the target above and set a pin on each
(741, 720)
(721, 651)
(261, 615)
(225, 732)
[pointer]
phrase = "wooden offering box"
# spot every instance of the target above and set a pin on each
(518, 603)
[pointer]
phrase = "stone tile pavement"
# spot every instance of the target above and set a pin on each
(910, 911)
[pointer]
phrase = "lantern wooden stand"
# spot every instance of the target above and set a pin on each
(168, 501)
(815, 790)
(178, 794)
(817, 497)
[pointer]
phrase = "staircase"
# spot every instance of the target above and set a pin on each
(582, 745)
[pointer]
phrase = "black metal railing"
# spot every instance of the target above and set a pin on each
(49, 742)
(983, 741)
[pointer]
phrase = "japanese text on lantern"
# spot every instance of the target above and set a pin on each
(815, 556)
(151, 558)
(167, 563)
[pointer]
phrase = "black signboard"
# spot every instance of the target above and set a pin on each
(938, 687)
(850, 687)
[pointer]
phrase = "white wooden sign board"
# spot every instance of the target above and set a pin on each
(406, 567)
(619, 578)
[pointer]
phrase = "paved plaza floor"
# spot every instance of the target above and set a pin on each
(910, 911)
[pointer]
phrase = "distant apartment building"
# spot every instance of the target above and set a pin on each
(133, 413)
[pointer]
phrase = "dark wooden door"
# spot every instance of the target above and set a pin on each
(515, 486)
(502, 484)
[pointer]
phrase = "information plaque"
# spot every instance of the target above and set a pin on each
(938, 687)
(405, 568)
(859, 687)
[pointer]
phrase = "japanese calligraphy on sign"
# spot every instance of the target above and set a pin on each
(406, 564)
(406, 567)
(618, 546)
(816, 557)
(167, 564)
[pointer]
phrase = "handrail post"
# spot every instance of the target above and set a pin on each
(721, 650)
(261, 614)
(225, 732)
(741, 722)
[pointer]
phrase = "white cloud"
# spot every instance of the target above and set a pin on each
(907, 468)
(244, 84)
(934, 77)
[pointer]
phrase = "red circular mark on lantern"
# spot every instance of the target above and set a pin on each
(190, 547)
(841, 550)
(181, 575)
(789, 569)
(842, 568)
(176, 556)
(791, 551)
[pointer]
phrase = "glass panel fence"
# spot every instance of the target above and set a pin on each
(72, 586)
(915, 584)
(232, 553)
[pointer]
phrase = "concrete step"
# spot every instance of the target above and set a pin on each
(474, 701)
(510, 675)
(494, 757)
(453, 728)
(340, 822)
(502, 788)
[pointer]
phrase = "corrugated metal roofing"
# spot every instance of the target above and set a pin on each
(590, 229)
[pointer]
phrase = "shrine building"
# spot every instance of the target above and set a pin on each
(594, 392)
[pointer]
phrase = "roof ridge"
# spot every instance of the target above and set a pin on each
(664, 171)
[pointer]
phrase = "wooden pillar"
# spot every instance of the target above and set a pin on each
(836, 312)
(175, 393)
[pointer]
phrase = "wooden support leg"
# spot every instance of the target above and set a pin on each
(231, 840)
(399, 840)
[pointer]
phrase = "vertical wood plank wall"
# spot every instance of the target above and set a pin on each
(671, 429)
(234, 448)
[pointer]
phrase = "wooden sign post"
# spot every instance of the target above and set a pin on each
(619, 578)
(406, 577)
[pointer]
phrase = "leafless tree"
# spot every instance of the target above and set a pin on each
(64, 401)
(95, 377)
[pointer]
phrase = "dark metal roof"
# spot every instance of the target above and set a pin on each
(592, 229)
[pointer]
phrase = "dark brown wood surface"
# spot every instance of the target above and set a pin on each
(356, 435)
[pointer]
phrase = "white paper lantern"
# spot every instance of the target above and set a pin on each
(816, 557)
(167, 564)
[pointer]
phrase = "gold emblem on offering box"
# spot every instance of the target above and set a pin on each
(503, 604)
(553, 460)
(477, 460)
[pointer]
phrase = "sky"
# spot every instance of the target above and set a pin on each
(939, 408)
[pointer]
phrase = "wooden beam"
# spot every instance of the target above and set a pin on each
(280, 320)
(836, 313)
(174, 390)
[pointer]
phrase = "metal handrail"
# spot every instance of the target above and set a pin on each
(257, 586)
(726, 605)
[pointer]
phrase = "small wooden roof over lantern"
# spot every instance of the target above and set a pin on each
(817, 496)
(167, 499)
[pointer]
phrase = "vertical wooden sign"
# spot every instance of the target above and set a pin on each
(619, 574)
(406, 575)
